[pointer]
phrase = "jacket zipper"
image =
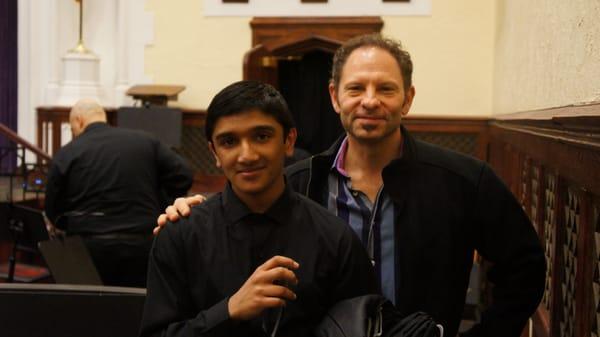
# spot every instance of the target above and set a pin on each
(370, 243)
(310, 163)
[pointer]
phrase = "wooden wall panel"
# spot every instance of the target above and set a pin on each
(558, 183)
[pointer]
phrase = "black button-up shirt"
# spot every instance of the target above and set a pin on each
(199, 262)
(111, 180)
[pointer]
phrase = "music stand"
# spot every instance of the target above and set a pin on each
(69, 261)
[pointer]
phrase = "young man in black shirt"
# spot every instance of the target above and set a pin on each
(257, 258)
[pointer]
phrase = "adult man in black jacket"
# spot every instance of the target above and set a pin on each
(432, 206)
(108, 185)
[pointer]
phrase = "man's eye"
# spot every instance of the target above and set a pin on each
(388, 90)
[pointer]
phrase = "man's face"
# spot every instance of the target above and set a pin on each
(370, 97)
(250, 149)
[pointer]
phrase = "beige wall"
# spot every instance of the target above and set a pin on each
(547, 54)
(452, 50)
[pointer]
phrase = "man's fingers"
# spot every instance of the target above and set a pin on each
(161, 221)
(279, 261)
(196, 199)
(278, 275)
(279, 292)
(172, 213)
(182, 206)
(272, 302)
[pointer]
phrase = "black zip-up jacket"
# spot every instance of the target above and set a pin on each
(448, 205)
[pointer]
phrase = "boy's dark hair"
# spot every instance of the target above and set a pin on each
(245, 96)
(372, 40)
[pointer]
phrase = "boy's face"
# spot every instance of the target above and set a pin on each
(250, 148)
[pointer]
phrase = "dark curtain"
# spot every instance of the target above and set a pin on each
(8, 76)
(303, 83)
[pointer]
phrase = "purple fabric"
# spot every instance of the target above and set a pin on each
(8, 76)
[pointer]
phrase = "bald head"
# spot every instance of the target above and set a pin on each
(84, 113)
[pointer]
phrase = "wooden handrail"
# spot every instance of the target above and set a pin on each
(14, 137)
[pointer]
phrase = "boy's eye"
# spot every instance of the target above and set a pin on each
(227, 141)
(263, 137)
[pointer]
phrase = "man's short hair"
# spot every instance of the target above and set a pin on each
(245, 96)
(372, 40)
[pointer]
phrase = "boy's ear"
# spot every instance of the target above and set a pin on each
(211, 147)
(290, 141)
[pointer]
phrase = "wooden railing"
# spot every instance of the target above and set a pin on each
(26, 179)
(50, 120)
(553, 167)
(5, 131)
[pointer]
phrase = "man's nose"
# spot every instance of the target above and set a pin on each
(370, 99)
(247, 152)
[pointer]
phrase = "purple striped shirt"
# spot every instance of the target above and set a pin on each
(373, 222)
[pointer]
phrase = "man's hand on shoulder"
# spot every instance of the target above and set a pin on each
(180, 208)
(265, 288)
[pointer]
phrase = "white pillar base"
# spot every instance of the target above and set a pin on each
(80, 78)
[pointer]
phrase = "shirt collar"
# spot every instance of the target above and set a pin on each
(339, 163)
(95, 125)
(340, 159)
(235, 209)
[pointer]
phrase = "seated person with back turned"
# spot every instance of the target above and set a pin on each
(257, 259)
(108, 185)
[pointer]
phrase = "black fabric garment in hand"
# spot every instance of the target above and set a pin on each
(358, 316)
(418, 324)
(374, 316)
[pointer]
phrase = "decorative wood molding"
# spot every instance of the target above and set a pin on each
(587, 109)
(301, 47)
(271, 32)
(575, 154)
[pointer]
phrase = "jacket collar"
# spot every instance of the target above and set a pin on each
(409, 151)
(393, 174)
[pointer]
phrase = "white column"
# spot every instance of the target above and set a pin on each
(117, 31)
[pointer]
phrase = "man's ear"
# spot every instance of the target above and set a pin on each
(211, 147)
(80, 122)
(409, 96)
(334, 98)
(290, 141)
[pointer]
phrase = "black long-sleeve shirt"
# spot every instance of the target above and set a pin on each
(113, 180)
(198, 263)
